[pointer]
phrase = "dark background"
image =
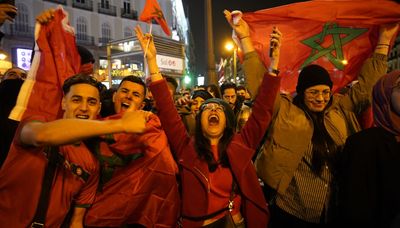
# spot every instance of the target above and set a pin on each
(221, 29)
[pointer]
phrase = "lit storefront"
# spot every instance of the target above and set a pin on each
(125, 57)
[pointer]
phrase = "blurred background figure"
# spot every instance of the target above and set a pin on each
(214, 90)
(369, 190)
(9, 88)
(8, 11)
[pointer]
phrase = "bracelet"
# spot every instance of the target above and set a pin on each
(155, 73)
(388, 45)
(241, 38)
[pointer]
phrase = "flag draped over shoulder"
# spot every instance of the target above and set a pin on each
(152, 10)
(56, 58)
(338, 35)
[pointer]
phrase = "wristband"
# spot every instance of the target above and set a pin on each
(155, 73)
(385, 45)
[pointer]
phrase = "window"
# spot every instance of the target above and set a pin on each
(127, 7)
(81, 1)
(22, 19)
(106, 31)
(128, 32)
(81, 28)
(105, 4)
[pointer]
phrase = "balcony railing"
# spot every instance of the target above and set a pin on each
(133, 14)
(20, 30)
(64, 2)
(107, 9)
(84, 39)
(86, 4)
(104, 40)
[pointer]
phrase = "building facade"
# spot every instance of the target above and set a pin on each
(394, 56)
(96, 23)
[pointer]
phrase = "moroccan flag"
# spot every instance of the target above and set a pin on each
(338, 35)
(152, 10)
(56, 58)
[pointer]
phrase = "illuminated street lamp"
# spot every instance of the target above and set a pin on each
(3, 54)
(229, 46)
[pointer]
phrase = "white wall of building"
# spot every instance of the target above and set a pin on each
(120, 27)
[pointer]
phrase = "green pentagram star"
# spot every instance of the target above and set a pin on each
(158, 13)
(339, 41)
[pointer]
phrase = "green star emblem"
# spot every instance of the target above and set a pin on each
(340, 37)
(158, 13)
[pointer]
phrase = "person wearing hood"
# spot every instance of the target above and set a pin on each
(369, 193)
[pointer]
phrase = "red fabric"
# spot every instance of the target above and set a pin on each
(152, 10)
(56, 58)
(21, 180)
(143, 192)
(366, 118)
(194, 171)
(87, 68)
(301, 21)
(220, 191)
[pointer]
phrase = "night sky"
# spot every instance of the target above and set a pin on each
(221, 30)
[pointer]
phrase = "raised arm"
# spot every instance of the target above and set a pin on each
(65, 131)
(253, 67)
(264, 105)
(169, 117)
(359, 96)
(5, 11)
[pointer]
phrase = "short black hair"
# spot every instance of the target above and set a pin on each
(134, 79)
(81, 79)
(240, 87)
(171, 80)
(228, 85)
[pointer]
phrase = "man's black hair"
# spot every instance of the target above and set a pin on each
(227, 85)
(240, 87)
(81, 79)
(171, 80)
(134, 79)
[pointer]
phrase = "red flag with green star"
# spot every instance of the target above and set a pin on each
(338, 35)
(152, 10)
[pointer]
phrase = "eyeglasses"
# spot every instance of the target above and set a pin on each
(315, 93)
(213, 106)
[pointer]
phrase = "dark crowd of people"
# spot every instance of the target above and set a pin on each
(143, 154)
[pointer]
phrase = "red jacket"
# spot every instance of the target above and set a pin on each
(143, 188)
(194, 171)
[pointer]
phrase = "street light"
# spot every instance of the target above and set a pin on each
(3, 54)
(229, 46)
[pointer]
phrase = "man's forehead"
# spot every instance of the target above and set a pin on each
(132, 86)
(84, 90)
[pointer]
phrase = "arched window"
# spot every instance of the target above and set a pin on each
(106, 32)
(22, 19)
(128, 32)
(81, 28)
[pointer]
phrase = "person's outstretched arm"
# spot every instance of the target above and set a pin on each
(360, 95)
(169, 117)
(264, 105)
(253, 67)
(65, 131)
